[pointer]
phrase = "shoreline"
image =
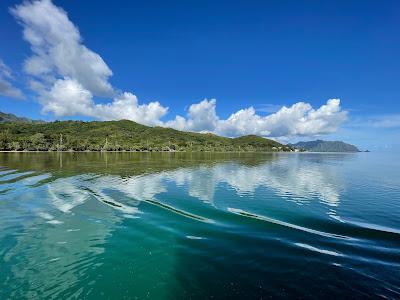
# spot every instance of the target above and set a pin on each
(127, 151)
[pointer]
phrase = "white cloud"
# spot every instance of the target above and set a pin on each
(58, 50)
(5, 71)
(67, 76)
(386, 121)
(6, 87)
(126, 106)
(299, 119)
(68, 97)
(201, 117)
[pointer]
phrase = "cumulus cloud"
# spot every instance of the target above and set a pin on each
(299, 119)
(126, 106)
(57, 48)
(68, 97)
(201, 117)
(67, 76)
(6, 87)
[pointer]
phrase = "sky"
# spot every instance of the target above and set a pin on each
(287, 70)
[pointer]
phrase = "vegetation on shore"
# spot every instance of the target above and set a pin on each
(121, 135)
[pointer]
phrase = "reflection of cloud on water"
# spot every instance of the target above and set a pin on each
(57, 237)
(68, 229)
(72, 217)
(296, 180)
(287, 178)
(303, 181)
(201, 181)
(65, 193)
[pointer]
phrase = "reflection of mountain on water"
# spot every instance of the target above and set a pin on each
(121, 163)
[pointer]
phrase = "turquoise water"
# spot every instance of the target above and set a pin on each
(196, 226)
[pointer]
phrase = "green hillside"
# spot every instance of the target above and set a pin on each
(119, 136)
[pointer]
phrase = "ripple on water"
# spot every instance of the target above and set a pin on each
(294, 226)
(319, 250)
(286, 224)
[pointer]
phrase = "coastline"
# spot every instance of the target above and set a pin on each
(146, 151)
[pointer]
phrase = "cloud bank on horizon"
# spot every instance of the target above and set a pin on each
(67, 76)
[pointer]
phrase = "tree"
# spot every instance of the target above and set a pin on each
(4, 140)
(38, 141)
(14, 146)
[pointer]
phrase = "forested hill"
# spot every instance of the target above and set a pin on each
(119, 136)
(326, 146)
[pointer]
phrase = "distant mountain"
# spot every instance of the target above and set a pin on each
(326, 146)
(5, 118)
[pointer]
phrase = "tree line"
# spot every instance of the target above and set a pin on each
(121, 136)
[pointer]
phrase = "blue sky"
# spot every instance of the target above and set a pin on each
(251, 57)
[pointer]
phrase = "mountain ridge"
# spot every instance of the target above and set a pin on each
(8, 117)
(325, 146)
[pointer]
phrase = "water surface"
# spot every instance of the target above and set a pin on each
(175, 225)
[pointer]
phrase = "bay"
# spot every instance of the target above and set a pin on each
(199, 225)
